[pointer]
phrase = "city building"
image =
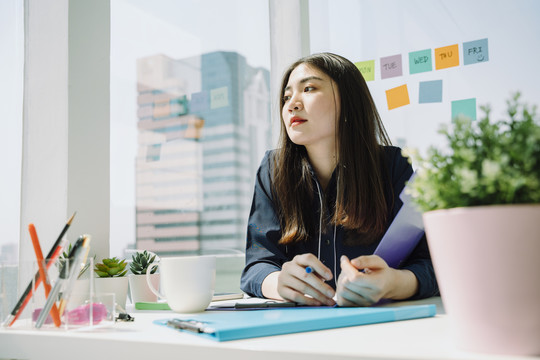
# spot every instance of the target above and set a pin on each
(203, 127)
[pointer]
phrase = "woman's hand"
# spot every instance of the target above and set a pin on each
(295, 284)
(377, 281)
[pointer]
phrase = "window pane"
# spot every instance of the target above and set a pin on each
(190, 121)
(364, 30)
(11, 93)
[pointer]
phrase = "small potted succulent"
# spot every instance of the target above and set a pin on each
(481, 203)
(111, 278)
(141, 263)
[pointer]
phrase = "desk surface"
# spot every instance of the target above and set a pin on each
(412, 339)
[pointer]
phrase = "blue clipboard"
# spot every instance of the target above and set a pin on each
(237, 325)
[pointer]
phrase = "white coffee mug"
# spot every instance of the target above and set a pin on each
(187, 282)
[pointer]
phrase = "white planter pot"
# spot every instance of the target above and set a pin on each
(487, 262)
(140, 292)
(116, 285)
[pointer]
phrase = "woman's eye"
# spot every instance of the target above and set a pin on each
(308, 88)
(286, 98)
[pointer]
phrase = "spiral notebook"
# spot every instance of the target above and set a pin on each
(226, 326)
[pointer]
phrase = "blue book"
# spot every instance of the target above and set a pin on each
(237, 325)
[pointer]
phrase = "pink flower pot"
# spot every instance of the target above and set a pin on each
(487, 263)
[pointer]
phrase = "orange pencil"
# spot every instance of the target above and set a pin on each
(39, 256)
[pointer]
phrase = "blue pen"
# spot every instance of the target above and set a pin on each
(309, 269)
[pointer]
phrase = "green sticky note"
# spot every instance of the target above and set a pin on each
(466, 107)
(143, 305)
(219, 97)
(367, 68)
(420, 61)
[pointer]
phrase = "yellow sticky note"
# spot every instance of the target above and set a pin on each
(398, 96)
(446, 57)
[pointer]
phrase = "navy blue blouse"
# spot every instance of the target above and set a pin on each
(264, 255)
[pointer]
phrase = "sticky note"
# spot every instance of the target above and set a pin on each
(219, 97)
(466, 107)
(398, 96)
(367, 69)
(430, 91)
(446, 57)
(475, 51)
(199, 102)
(420, 61)
(391, 66)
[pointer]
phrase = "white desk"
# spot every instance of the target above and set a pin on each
(412, 339)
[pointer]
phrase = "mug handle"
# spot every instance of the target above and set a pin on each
(154, 290)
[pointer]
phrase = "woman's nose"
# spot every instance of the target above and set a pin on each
(295, 104)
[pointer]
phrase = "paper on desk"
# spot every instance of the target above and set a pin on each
(404, 233)
(249, 303)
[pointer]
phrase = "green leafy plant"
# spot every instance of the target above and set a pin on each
(141, 262)
(111, 267)
(64, 256)
(487, 163)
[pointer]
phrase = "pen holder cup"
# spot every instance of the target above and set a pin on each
(85, 305)
(97, 310)
(22, 291)
(71, 301)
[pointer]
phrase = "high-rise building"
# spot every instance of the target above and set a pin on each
(204, 124)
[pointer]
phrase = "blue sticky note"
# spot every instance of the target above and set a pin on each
(420, 61)
(430, 92)
(199, 102)
(466, 107)
(475, 52)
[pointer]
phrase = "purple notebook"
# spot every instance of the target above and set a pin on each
(404, 233)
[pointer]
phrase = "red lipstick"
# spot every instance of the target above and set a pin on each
(296, 120)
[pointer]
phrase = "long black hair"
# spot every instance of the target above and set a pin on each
(360, 201)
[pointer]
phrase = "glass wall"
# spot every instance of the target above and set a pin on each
(190, 115)
(190, 111)
(190, 121)
(425, 61)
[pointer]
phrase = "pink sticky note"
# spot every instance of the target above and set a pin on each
(391, 66)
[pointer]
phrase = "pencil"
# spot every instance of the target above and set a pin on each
(39, 257)
(27, 294)
(68, 270)
(62, 233)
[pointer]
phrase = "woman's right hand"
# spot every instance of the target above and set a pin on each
(295, 284)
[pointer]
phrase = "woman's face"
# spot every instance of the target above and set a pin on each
(311, 107)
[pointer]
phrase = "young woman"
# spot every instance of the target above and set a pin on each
(326, 196)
